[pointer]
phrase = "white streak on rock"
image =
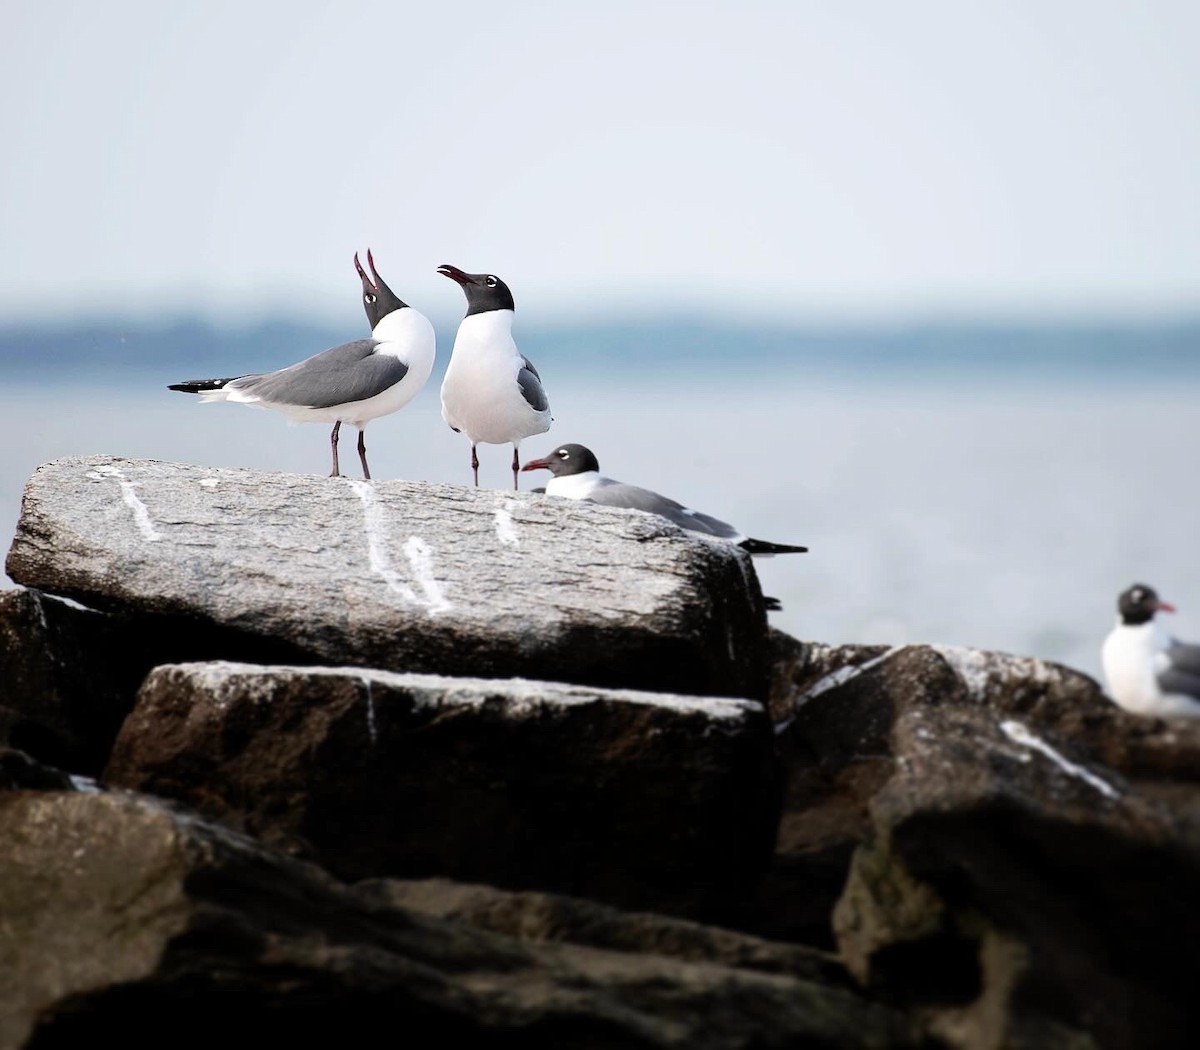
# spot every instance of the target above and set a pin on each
(209, 483)
(979, 668)
(141, 516)
(971, 665)
(381, 564)
(840, 677)
(506, 531)
(1020, 734)
(420, 558)
(522, 697)
(69, 602)
(85, 784)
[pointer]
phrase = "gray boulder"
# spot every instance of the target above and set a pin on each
(397, 575)
(129, 924)
(647, 800)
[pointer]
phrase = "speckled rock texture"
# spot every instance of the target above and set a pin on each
(644, 799)
(398, 575)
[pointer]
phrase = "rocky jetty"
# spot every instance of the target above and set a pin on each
(536, 773)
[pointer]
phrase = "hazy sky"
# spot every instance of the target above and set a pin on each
(789, 160)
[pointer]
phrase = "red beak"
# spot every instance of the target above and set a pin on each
(455, 274)
(1163, 607)
(536, 464)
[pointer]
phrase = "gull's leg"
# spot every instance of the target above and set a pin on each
(335, 473)
(516, 468)
(475, 464)
(362, 452)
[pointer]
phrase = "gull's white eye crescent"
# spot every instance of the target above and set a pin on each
(490, 282)
(369, 297)
(1137, 596)
(563, 454)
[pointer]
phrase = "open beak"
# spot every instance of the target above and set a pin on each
(455, 274)
(367, 282)
(536, 464)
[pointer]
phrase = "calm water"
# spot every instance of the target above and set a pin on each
(967, 511)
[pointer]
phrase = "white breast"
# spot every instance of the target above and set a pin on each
(480, 395)
(1132, 655)
(575, 486)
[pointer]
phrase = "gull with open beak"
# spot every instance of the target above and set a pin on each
(351, 383)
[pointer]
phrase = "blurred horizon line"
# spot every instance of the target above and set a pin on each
(1159, 351)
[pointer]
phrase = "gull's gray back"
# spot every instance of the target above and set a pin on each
(338, 376)
(618, 494)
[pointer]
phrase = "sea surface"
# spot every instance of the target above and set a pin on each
(957, 505)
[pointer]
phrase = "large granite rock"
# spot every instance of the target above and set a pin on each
(648, 800)
(1001, 877)
(398, 575)
(126, 923)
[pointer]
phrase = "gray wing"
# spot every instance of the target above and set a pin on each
(1182, 673)
(617, 494)
(1184, 657)
(338, 376)
(531, 386)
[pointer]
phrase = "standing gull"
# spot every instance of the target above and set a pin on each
(352, 383)
(491, 393)
(1148, 671)
(577, 476)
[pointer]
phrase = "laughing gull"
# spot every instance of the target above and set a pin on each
(491, 393)
(577, 476)
(352, 383)
(1148, 671)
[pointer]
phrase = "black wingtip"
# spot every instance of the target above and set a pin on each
(764, 547)
(772, 604)
(198, 386)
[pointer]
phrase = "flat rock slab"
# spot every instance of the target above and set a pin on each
(399, 575)
(645, 800)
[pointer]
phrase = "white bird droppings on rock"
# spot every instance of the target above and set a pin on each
(141, 515)
(1020, 734)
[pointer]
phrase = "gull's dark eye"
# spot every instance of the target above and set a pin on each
(490, 282)
(369, 297)
(563, 454)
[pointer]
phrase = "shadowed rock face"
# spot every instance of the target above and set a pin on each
(648, 800)
(399, 576)
(127, 922)
(68, 675)
(999, 875)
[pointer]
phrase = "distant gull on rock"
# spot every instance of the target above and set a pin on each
(1149, 672)
(491, 393)
(577, 476)
(352, 383)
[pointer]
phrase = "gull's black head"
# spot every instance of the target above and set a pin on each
(565, 461)
(484, 291)
(1139, 603)
(378, 299)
